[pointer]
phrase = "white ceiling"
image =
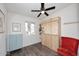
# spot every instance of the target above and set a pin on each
(25, 8)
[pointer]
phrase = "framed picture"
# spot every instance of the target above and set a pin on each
(1, 22)
(16, 27)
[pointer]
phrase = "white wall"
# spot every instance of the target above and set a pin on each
(3, 35)
(69, 14)
(17, 18)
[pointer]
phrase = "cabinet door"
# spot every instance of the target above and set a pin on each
(15, 41)
(19, 41)
(12, 42)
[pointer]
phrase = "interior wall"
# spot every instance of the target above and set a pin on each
(69, 14)
(3, 35)
(17, 18)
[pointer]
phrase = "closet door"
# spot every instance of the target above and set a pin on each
(51, 33)
(46, 34)
(55, 34)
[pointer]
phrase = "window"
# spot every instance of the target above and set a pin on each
(30, 28)
(26, 27)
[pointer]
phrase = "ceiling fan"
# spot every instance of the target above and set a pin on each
(43, 10)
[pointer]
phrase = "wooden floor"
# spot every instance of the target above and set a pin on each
(34, 50)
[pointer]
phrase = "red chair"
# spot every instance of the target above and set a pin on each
(69, 46)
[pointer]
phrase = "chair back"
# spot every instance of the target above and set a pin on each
(70, 44)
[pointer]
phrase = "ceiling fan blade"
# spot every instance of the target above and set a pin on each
(35, 10)
(39, 14)
(50, 8)
(46, 14)
(42, 6)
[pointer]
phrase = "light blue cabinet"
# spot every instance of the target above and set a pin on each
(15, 41)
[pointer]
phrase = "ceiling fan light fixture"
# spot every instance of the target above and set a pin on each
(42, 12)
